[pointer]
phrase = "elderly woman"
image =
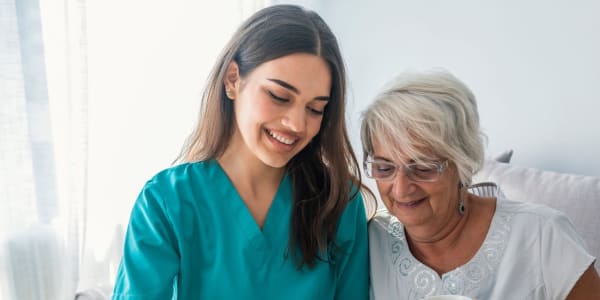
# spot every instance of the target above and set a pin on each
(422, 144)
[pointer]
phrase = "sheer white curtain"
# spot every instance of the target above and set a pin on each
(95, 97)
(43, 161)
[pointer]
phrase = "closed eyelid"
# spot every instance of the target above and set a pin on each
(277, 95)
(319, 106)
(388, 164)
(290, 88)
(431, 166)
(422, 164)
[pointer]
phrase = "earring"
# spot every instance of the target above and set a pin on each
(229, 93)
(461, 202)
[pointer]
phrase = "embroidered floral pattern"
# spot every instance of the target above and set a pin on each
(423, 281)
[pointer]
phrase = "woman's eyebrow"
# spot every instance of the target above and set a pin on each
(381, 158)
(294, 89)
(285, 85)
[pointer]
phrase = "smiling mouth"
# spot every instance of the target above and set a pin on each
(281, 139)
(411, 203)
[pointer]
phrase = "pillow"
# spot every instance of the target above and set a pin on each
(486, 189)
(96, 293)
(577, 196)
(504, 156)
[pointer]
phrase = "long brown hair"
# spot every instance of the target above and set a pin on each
(324, 172)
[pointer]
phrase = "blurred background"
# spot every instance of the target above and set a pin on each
(98, 96)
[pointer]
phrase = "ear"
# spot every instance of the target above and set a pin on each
(232, 80)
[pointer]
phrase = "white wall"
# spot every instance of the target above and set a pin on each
(533, 65)
(147, 69)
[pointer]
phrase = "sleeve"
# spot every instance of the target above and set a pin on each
(564, 257)
(150, 261)
(353, 272)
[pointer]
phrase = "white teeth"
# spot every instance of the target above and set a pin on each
(280, 138)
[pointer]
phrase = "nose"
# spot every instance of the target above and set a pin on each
(401, 185)
(295, 119)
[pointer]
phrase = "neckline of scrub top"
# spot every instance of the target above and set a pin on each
(277, 221)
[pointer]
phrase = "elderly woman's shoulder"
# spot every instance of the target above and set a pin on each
(529, 210)
(382, 220)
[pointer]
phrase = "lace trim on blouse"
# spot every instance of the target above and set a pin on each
(423, 281)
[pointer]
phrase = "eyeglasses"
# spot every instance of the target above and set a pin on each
(386, 170)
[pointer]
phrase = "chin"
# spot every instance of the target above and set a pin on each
(275, 162)
(276, 159)
(403, 216)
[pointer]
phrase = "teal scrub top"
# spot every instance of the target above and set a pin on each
(191, 236)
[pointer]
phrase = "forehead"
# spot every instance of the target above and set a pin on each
(309, 73)
(388, 149)
(394, 150)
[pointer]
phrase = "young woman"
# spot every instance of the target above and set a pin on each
(266, 202)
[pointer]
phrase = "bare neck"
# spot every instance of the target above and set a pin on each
(248, 173)
(442, 246)
(433, 242)
(456, 241)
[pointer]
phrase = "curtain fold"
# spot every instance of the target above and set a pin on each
(43, 151)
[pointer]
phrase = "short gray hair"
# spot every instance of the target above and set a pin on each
(430, 111)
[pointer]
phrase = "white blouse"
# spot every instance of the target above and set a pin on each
(530, 252)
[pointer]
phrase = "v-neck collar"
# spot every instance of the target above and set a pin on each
(277, 215)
